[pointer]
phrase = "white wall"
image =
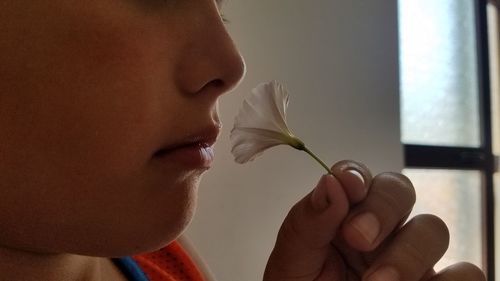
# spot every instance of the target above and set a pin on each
(338, 58)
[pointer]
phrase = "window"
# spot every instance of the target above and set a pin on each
(446, 118)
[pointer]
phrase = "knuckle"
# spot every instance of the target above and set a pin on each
(433, 223)
(415, 254)
(462, 271)
(397, 184)
(433, 229)
(421, 230)
(471, 271)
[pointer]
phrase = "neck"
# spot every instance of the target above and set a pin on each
(24, 265)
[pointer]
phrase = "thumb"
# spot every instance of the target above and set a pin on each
(303, 243)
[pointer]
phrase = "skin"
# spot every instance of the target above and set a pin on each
(90, 90)
(325, 238)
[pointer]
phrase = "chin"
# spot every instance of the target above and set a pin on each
(143, 227)
(160, 217)
(147, 237)
(166, 225)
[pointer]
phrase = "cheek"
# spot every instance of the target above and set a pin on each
(81, 111)
(88, 86)
(85, 92)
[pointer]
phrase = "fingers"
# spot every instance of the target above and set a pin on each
(388, 202)
(460, 272)
(355, 177)
(413, 252)
(303, 243)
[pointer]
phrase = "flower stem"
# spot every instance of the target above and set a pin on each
(317, 159)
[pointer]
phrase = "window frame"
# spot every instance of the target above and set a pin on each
(467, 158)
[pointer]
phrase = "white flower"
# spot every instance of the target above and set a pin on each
(261, 123)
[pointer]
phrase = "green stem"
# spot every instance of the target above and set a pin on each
(317, 159)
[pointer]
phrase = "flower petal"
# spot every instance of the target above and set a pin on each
(275, 100)
(265, 108)
(248, 143)
(261, 123)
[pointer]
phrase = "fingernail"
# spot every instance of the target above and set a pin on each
(357, 174)
(319, 196)
(367, 225)
(384, 274)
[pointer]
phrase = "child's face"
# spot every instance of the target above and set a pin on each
(89, 92)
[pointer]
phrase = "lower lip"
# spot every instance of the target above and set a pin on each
(193, 156)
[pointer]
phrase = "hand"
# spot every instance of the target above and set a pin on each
(351, 227)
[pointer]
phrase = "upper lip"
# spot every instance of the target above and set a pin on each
(205, 136)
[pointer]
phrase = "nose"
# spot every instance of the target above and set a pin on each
(210, 61)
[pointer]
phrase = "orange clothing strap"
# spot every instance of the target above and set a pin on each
(171, 263)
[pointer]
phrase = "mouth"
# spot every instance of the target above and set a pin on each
(194, 150)
(203, 138)
(164, 151)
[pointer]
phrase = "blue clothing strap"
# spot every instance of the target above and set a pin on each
(130, 269)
